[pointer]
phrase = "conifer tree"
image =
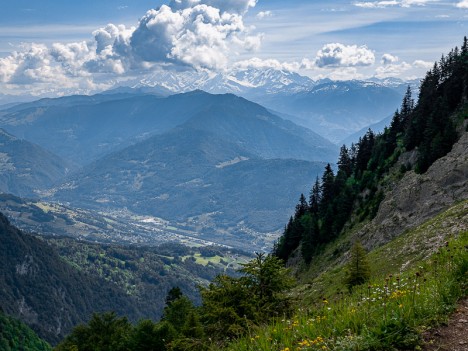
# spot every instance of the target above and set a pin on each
(358, 267)
(310, 238)
(315, 198)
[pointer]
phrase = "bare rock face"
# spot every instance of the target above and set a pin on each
(417, 198)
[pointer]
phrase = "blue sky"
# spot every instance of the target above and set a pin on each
(70, 44)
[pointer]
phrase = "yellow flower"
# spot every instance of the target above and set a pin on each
(400, 305)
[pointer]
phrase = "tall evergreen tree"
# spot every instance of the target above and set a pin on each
(310, 238)
(358, 267)
(315, 197)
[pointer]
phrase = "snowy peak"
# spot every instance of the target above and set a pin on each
(238, 81)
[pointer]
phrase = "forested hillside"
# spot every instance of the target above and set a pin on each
(15, 336)
(420, 133)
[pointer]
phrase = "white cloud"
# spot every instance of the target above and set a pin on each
(423, 64)
(339, 55)
(230, 6)
(376, 4)
(392, 70)
(263, 14)
(391, 3)
(388, 59)
(462, 4)
(269, 63)
(201, 34)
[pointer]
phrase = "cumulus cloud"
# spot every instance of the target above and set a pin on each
(339, 55)
(462, 4)
(230, 6)
(200, 34)
(388, 59)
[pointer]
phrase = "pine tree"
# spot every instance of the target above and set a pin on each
(315, 198)
(327, 189)
(301, 208)
(310, 238)
(358, 267)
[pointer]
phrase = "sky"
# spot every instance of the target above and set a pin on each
(62, 46)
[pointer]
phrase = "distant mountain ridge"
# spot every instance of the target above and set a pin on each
(82, 129)
(334, 109)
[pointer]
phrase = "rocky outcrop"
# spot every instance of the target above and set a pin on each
(417, 198)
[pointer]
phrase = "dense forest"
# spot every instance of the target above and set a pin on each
(352, 195)
(16, 336)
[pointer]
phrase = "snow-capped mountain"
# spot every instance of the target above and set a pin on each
(242, 82)
(334, 109)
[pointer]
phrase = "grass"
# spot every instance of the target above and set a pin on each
(402, 253)
(388, 313)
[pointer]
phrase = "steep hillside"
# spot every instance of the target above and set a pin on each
(40, 289)
(54, 284)
(25, 167)
(416, 198)
(425, 145)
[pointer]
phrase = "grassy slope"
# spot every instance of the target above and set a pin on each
(403, 253)
(389, 313)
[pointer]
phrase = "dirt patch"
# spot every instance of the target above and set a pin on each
(453, 336)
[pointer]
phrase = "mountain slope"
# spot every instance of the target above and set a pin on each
(15, 336)
(260, 132)
(337, 109)
(418, 197)
(426, 144)
(41, 289)
(196, 178)
(25, 167)
(83, 129)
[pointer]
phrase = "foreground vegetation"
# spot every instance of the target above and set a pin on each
(384, 314)
(16, 336)
(253, 313)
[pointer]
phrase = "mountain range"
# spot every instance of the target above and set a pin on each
(191, 157)
(334, 109)
(188, 158)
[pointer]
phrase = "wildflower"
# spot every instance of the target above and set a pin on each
(400, 305)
